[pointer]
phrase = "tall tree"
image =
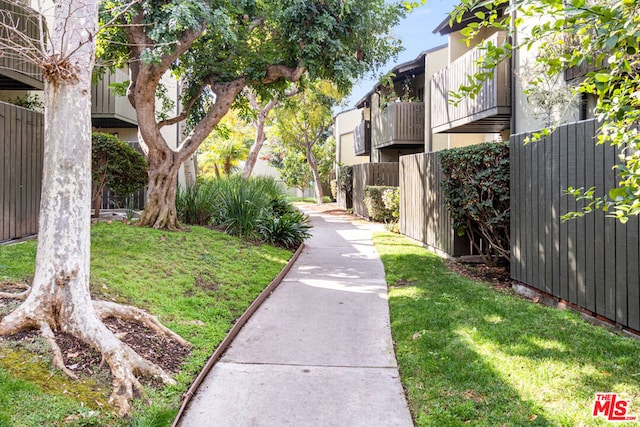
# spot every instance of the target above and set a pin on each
(219, 48)
(261, 111)
(601, 35)
(59, 297)
(304, 122)
(261, 108)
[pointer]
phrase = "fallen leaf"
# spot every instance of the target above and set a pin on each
(532, 417)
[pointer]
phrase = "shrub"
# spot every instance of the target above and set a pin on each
(116, 165)
(288, 230)
(476, 190)
(254, 208)
(391, 200)
(345, 179)
(334, 188)
(239, 205)
(375, 204)
(195, 204)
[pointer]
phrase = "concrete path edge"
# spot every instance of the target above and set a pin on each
(233, 332)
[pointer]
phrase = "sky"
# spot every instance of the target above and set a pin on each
(416, 33)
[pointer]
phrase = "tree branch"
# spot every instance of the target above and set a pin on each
(185, 113)
(275, 72)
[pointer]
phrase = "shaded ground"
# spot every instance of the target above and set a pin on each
(498, 277)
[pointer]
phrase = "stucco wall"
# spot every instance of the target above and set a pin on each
(345, 123)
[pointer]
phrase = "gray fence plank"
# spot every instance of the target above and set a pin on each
(542, 209)
(551, 213)
(580, 229)
(532, 219)
(555, 221)
(513, 153)
(523, 211)
(589, 220)
(610, 238)
(633, 273)
(572, 235)
(564, 183)
(600, 249)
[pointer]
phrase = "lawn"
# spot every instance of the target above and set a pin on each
(197, 283)
(471, 354)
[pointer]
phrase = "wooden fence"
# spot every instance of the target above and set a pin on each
(21, 159)
(371, 174)
(592, 261)
(423, 213)
(21, 154)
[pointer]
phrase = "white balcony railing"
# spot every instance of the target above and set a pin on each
(489, 111)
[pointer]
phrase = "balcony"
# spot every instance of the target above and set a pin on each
(109, 110)
(400, 124)
(15, 72)
(362, 139)
(489, 112)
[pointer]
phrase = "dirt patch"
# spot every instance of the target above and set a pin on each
(499, 277)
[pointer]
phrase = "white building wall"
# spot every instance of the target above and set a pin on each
(526, 119)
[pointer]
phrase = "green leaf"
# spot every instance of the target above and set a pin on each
(618, 193)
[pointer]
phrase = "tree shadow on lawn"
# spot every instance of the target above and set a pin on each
(470, 354)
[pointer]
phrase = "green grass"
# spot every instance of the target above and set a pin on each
(472, 355)
(197, 283)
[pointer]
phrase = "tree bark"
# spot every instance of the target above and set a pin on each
(252, 158)
(164, 163)
(261, 137)
(160, 211)
(59, 297)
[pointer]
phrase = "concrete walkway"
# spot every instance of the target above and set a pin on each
(318, 352)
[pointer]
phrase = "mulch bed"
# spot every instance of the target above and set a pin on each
(499, 276)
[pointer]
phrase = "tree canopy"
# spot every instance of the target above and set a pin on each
(217, 48)
(601, 35)
(303, 125)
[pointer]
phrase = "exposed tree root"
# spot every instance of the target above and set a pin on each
(106, 309)
(17, 295)
(125, 364)
(58, 359)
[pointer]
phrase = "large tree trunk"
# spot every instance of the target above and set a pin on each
(160, 210)
(59, 297)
